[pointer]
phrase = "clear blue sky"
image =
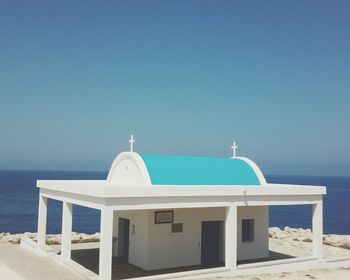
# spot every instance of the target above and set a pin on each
(186, 77)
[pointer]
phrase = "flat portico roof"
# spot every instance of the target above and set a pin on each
(105, 189)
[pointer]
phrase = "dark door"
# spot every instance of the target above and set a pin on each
(123, 244)
(126, 239)
(211, 234)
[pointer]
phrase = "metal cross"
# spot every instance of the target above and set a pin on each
(131, 141)
(234, 147)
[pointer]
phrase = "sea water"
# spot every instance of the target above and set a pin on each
(19, 203)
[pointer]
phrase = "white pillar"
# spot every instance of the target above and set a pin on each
(317, 230)
(66, 242)
(231, 237)
(42, 217)
(106, 240)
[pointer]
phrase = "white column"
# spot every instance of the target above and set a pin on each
(66, 244)
(106, 240)
(231, 237)
(42, 217)
(317, 230)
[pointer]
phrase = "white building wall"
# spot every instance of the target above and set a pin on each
(167, 249)
(259, 248)
(138, 240)
(154, 246)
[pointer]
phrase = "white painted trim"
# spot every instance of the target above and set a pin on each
(103, 189)
(171, 201)
(256, 169)
(231, 237)
(317, 230)
(275, 262)
(106, 241)
(139, 203)
(66, 244)
(82, 200)
(42, 219)
(137, 159)
(337, 259)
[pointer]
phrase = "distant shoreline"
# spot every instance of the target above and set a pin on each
(106, 173)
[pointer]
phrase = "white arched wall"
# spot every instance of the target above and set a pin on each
(255, 168)
(129, 169)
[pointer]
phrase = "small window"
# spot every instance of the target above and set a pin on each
(177, 228)
(247, 230)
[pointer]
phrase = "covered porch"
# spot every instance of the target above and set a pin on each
(110, 201)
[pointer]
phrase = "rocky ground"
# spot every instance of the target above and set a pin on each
(287, 234)
(51, 239)
(305, 235)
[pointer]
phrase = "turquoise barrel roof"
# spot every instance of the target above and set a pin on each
(191, 170)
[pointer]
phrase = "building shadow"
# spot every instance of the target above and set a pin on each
(121, 269)
(273, 256)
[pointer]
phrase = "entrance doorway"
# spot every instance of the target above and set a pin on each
(123, 238)
(212, 242)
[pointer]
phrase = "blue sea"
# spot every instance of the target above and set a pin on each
(19, 203)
